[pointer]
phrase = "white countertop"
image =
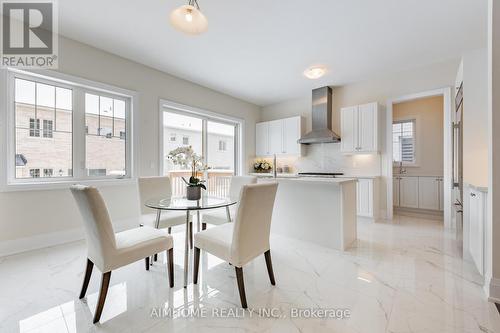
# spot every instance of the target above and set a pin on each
(315, 180)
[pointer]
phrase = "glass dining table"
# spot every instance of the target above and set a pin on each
(183, 204)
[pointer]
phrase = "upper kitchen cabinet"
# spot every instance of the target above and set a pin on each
(359, 128)
(278, 137)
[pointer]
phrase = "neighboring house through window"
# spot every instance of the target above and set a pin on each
(222, 145)
(185, 140)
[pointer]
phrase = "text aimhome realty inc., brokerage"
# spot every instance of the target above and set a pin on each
(29, 34)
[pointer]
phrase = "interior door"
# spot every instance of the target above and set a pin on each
(349, 129)
(367, 123)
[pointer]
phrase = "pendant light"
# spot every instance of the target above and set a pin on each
(189, 19)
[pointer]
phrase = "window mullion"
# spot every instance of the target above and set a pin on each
(79, 133)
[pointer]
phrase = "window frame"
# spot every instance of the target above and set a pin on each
(8, 181)
(415, 152)
(239, 135)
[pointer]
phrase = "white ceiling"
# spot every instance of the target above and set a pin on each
(256, 50)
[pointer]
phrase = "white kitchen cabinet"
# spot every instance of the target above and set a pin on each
(278, 137)
(428, 193)
(395, 191)
(359, 128)
(348, 126)
(441, 193)
(476, 223)
(292, 131)
(408, 192)
(262, 139)
(367, 197)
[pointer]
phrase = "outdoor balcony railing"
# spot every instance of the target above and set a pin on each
(217, 181)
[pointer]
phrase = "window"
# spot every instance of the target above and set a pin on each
(173, 137)
(47, 128)
(222, 145)
(35, 173)
(82, 122)
(215, 138)
(403, 141)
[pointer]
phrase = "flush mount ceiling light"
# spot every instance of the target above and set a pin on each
(189, 19)
(315, 72)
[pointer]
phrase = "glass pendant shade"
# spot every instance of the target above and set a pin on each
(189, 20)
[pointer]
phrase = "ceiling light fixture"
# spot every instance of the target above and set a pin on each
(189, 19)
(315, 72)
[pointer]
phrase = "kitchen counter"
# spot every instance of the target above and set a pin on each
(315, 209)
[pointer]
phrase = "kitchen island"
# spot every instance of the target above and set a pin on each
(317, 210)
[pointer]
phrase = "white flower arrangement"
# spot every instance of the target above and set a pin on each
(262, 166)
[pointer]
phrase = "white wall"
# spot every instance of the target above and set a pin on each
(25, 214)
(377, 89)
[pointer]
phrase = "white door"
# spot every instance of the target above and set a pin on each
(476, 221)
(262, 139)
(367, 120)
(428, 193)
(291, 133)
(349, 129)
(395, 191)
(441, 194)
(276, 137)
(365, 201)
(408, 192)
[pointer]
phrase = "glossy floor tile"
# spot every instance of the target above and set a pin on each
(405, 276)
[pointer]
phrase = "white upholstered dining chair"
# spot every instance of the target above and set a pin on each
(220, 216)
(109, 250)
(248, 237)
(160, 187)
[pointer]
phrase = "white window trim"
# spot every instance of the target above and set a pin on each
(205, 114)
(9, 183)
(416, 135)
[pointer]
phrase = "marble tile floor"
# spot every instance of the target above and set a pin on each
(400, 277)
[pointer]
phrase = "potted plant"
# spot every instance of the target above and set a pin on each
(187, 158)
(262, 166)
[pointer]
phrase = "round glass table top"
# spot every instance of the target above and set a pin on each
(181, 203)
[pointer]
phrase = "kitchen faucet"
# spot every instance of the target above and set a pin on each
(401, 169)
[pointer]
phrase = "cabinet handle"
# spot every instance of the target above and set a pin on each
(472, 194)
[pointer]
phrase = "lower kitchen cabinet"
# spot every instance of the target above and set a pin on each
(367, 197)
(474, 225)
(408, 192)
(418, 192)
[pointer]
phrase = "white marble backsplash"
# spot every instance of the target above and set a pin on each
(326, 157)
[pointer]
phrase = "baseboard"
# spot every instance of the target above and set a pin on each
(420, 213)
(25, 244)
(492, 289)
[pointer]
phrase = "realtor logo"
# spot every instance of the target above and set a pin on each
(29, 35)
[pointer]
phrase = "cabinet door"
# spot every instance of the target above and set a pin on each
(408, 192)
(349, 129)
(428, 193)
(365, 197)
(367, 132)
(276, 137)
(262, 139)
(291, 133)
(476, 229)
(395, 191)
(441, 194)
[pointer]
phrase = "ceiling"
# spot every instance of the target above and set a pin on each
(256, 50)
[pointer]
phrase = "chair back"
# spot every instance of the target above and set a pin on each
(99, 231)
(252, 225)
(153, 187)
(237, 183)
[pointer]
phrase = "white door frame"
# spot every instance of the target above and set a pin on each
(447, 151)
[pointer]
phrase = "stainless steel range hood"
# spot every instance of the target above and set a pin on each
(321, 118)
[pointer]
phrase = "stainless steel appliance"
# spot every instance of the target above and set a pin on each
(320, 174)
(457, 165)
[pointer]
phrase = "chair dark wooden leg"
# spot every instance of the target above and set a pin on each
(170, 263)
(169, 230)
(203, 226)
(241, 286)
(86, 278)
(102, 296)
(147, 263)
(155, 257)
(196, 264)
(191, 235)
(269, 265)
